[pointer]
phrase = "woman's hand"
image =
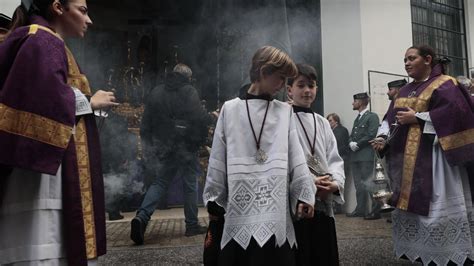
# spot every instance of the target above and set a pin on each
(407, 117)
(103, 99)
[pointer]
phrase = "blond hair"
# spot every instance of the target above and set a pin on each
(268, 60)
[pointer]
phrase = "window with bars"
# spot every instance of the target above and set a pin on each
(440, 24)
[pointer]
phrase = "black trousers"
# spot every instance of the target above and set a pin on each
(234, 255)
(317, 241)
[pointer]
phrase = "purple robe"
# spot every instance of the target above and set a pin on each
(410, 151)
(37, 116)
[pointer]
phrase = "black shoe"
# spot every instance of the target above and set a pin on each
(389, 220)
(196, 230)
(355, 214)
(113, 216)
(373, 216)
(137, 232)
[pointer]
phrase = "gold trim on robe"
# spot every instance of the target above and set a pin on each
(457, 140)
(75, 78)
(419, 104)
(80, 139)
(78, 80)
(34, 127)
(34, 29)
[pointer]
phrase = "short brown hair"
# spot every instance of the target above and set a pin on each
(305, 70)
(268, 60)
(335, 117)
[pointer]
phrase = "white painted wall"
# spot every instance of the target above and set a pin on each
(8, 6)
(342, 66)
(469, 17)
(358, 36)
(341, 56)
(386, 34)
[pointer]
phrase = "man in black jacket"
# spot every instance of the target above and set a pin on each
(174, 125)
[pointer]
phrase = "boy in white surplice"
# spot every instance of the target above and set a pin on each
(317, 242)
(257, 171)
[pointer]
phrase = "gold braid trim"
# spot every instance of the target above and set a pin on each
(33, 126)
(409, 161)
(419, 104)
(82, 153)
(75, 77)
(78, 80)
(457, 140)
(35, 27)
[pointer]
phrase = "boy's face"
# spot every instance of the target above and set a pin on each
(303, 91)
(273, 83)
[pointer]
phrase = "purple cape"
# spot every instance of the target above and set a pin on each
(410, 151)
(37, 114)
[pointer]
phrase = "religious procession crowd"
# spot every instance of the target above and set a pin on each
(276, 169)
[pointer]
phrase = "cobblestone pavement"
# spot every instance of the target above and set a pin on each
(159, 233)
(360, 242)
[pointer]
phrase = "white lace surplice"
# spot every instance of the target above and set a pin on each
(325, 150)
(257, 198)
(446, 233)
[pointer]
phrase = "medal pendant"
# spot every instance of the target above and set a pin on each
(261, 156)
(314, 165)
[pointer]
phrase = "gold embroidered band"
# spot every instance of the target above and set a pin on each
(87, 199)
(78, 80)
(35, 27)
(457, 140)
(75, 78)
(34, 126)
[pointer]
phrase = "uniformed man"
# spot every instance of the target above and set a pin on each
(384, 129)
(392, 93)
(362, 156)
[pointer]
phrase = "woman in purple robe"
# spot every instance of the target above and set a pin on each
(427, 155)
(51, 187)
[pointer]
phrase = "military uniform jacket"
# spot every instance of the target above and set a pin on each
(364, 129)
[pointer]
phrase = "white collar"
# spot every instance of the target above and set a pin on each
(361, 113)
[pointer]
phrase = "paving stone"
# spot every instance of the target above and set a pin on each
(360, 242)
